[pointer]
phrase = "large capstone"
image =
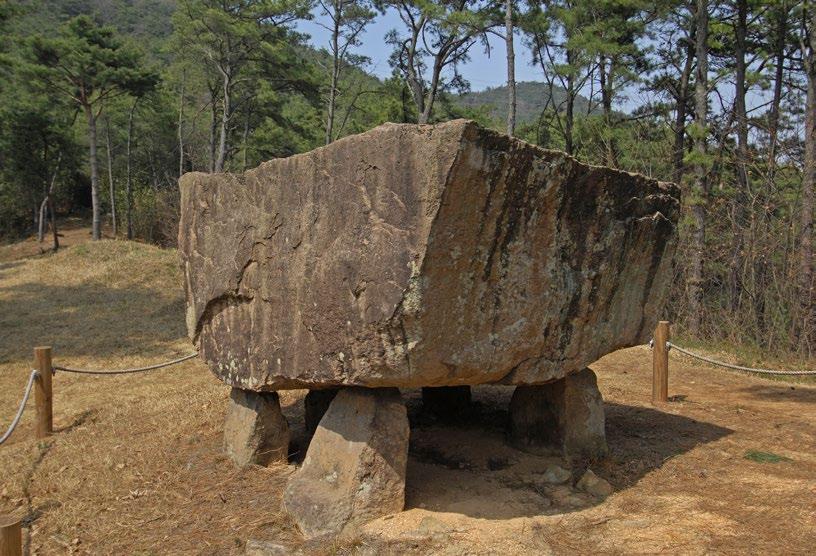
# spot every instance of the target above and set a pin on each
(354, 470)
(417, 255)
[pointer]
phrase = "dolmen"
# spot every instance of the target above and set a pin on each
(434, 256)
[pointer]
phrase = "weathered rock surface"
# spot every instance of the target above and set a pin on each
(566, 415)
(255, 430)
(421, 256)
(354, 470)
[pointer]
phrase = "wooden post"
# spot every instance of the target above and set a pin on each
(660, 364)
(11, 536)
(43, 392)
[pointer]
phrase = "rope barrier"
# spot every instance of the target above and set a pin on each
(16, 420)
(124, 371)
(671, 346)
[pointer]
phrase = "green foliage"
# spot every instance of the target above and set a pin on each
(765, 457)
(244, 58)
(87, 63)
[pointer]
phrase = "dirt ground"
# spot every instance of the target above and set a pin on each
(135, 467)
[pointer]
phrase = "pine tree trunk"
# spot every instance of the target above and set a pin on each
(779, 74)
(610, 152)
(41, 220)
(569, 116)
(411, 78)
(807, 299)
(225, 121)
(96, 227)
(741, 162)
(181, 124)
(680, 112)
(245, 140)
(111, 187)
(425, 114)
(700, 186)
(511, 68)
(128, 186)
(213, 128)
(335, 73)
(53, 212)
(47, 206)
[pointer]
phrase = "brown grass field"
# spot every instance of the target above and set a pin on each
(135, 465)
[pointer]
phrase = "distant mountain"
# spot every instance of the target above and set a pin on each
(531, 97)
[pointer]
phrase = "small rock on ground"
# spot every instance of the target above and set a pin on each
(594, 485)
(556, 475)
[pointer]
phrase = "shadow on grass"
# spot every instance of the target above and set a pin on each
(4, 267)
(786, 393)
(93, 320)
(79, 420)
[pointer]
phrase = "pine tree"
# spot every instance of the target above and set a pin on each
(90, 65)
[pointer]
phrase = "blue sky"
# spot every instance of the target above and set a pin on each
(482, 71)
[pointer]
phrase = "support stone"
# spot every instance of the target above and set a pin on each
(565, 416)
(315, 406)
(255, 430)
(446, 402)
(354, 470)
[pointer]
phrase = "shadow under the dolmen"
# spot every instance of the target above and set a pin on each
(469, 468)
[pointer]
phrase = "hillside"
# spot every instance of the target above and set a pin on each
(148, 21)
(531, 97)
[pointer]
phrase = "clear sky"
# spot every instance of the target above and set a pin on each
(482, 71)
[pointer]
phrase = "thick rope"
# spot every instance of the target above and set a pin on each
(124, 371)
(736, 367)
(26, 393)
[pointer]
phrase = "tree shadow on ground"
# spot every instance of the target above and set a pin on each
(5, 267)
(783, 393)
(88, 320)
(468, 468)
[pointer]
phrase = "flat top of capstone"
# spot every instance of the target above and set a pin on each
(421, 255)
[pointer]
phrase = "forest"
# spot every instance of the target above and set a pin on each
(105, 103)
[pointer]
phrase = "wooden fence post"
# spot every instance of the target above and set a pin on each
(11, 536)
(660, 364)
(43, 392)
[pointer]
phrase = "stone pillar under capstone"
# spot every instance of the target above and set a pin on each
(354, 469)
(564, 416)
(255, 430)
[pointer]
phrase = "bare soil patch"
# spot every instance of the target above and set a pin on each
(136, 464)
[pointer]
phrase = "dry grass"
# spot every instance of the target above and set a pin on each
(136, 464)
